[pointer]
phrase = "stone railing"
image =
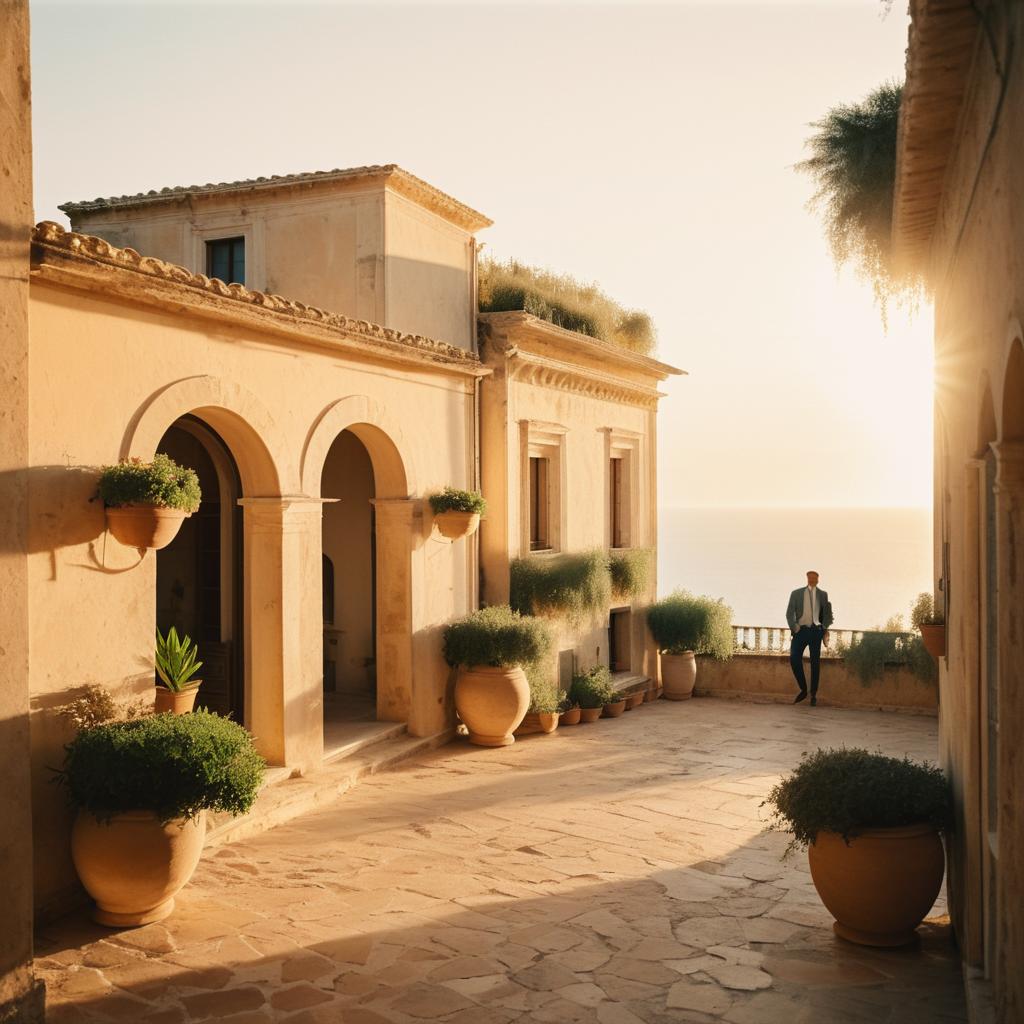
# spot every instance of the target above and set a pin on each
(775, 640)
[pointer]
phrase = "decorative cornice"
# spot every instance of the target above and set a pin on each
(391, 175)
(553, 373)
(52, 246)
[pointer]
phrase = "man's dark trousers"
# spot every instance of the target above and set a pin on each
(806, 636)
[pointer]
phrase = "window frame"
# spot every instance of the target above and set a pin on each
(543, 441)
(623, 447)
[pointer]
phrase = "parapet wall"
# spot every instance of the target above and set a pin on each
(768, 678)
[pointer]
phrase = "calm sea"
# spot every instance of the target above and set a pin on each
(873, 562)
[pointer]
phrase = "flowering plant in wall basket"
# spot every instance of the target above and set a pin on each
(146, 502)
(457, 513)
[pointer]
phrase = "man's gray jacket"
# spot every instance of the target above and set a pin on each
(796, 608)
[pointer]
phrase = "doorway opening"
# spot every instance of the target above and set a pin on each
(199, 574)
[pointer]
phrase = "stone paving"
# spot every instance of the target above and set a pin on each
(615, 873)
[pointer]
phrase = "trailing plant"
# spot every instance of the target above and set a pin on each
(96, 705)
(924, 613)
(573, 585)
(629, 570)
(496, 636)
(162, 483)
(562, 300)
(853, 163)
(847, 791)
(592, 689)
(176, 660)
(451, 499)
(172, 765)
(682, 622)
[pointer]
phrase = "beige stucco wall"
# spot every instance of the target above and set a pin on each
(109, 377)
(768, 677)
(977, 273)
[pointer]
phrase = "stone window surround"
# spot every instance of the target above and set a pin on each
(543, 440)
(625, 445)
(230, 225)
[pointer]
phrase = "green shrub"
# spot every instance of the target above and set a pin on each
(847, 791)
(173, 765)
(176, 660)
(629, 570)
(496, 636)
(562, 300)
(545, 696)
(593, 689)
(681, 622)
(573, 585)
(868, 654)
(923, 612)
(161, 482)
(451, 499)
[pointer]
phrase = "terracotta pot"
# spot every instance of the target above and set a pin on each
(455, 525)
(538, 721)
(178, 702)
(570, 717)
(678, 674)
(879, 887)
(132, 866)
(588, 715)
(492, 702)
(650, 695)
(615, 709)
(144, 526)
(934, 638)
(634, 700)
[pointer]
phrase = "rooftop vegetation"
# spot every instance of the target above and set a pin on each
(853, 163)
(562, 300)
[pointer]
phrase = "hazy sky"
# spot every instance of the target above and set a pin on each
(648, 147)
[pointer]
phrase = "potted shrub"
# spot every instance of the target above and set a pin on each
(141, 788)
(591, 692)
(930, 624)
(684, 626)
(457, 513)
(545, 699)
(615, 704)
(871, 825)
(635, 699)
(491, 648)
(570, 711)
(176, 664)
(146, 502)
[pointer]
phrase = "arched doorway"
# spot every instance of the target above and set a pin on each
(350, 591)
(199, 574)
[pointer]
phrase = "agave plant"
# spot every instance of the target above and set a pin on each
(176, 660)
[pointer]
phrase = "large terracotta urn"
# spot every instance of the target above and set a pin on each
(880, 886)
(678, 674)
(492, 702)
(455, 525)
(144, 526)
(133, 866)
(178, 702)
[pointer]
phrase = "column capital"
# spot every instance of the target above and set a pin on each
(283, 512)
(1009, 464)
(398, 508)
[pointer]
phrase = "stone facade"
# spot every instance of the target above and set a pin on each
(959, 197)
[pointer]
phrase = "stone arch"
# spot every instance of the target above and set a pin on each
(241, 419)
(1012, 411)
(383, 439)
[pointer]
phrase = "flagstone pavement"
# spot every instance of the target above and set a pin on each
(616, 872)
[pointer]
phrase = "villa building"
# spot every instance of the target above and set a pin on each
(957, 221)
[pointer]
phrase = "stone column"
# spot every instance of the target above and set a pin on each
(284, 628)
(396, 520)
(1010, 820)
(21, 997)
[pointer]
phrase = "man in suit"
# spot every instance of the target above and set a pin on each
(809, 615)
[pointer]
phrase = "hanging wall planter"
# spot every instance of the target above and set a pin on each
(457, 513)
(933, 635)
(146, 502)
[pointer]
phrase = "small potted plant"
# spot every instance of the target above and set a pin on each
(930, 624)
(569, 711)
(457, 513)
(140, 788)
(491, 647)
(634, 699)
(545, 699)
(871, 825)
(615, 703)
(176, 664)
(591, 692)
(146, 502)
(684, 626)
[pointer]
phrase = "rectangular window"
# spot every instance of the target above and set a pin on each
(540, 503)
(617, 478)
(620, 628)
(225, 259)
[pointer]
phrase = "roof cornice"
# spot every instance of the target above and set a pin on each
(390, 175)
(943, 37)
(83, 261)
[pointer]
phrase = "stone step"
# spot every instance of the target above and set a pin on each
(284, 796)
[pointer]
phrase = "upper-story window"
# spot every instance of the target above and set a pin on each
(618, 486)
(543, 486)
(540, 503)
(225, 259)
(623, 450)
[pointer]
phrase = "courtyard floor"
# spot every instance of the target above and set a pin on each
(615, 873)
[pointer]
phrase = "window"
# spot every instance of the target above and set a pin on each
(620, 628)
(622, 489)
(225, 259)
(540, 504)
(618, 517)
